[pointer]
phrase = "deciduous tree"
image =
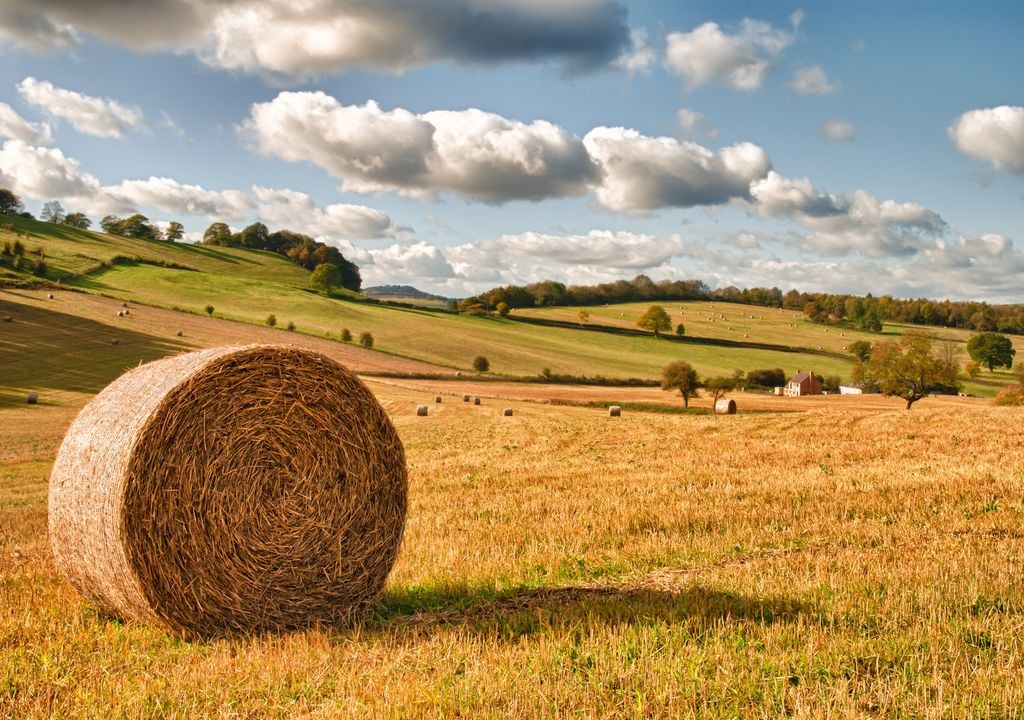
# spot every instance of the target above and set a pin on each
(719, 386)
(680, 375)
(217, 234)
(992, 350)
(53, 212)
(77, 220)
(175, 231)
(656, 319)
(326, 277)
(860, 349)
(908, 368)
(10, 204)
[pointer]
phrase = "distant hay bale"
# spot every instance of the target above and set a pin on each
(180, 334)
(614, 411)
(725, 407)
(437, 398)
(33, 398)
(421, 410)
(465, 398)
(507, 412)
(476, 400)
(49, 296)
(115, 341)
(235, 489)
(124, 304)
(8, 318)
(120, 313)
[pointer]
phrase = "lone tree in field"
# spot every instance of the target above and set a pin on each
(719, 386)
(656, 319)
(481, 364)
(861, 349)
(345, 335)
(366, 340)
(326, 277)
(680, 329)
(992, 350)
(680, 375)
(907, 369)
(209, 310)
(271, 319)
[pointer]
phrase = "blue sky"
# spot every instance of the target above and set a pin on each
(461, 144)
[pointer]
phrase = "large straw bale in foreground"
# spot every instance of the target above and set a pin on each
(232, 489)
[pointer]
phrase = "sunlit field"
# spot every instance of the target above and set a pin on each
(840, 557)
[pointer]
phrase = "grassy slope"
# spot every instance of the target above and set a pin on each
(69, 250)
(747, 323)
(249, 285)
(453, 340)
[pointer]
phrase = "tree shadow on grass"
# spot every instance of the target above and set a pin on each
(518, 612)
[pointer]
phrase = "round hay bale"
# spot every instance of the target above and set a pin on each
(725, 407)
(465, 398)
(476, 400)
(8, 318)
(230, 489)
(180, 333)
(422, 410)
(124, 304)
(437, 398)
(33, 398)
(120, 313)
(614, 411)
(507, 412)
(49, 296)
(115, 341)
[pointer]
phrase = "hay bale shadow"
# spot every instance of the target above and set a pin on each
(512, 614)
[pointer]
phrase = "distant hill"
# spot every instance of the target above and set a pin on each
(404, 291)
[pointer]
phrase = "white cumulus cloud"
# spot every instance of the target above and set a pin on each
(811, 80)
(91, 115)
(43, 173)
(15, 127)
(171, 196)
(296, 210)
(856, 221)
(470, 152)
(640, 57)
(741, 60)
(994, 135)
(642, 173)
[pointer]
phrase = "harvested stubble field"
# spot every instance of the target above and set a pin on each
(828, 563)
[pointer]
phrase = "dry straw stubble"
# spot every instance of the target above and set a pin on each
(232, 489)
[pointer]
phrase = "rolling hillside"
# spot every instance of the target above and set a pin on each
(248, 286)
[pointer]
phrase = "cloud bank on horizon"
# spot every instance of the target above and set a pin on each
(551, 176)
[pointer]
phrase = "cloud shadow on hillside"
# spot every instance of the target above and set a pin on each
(44, 348)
